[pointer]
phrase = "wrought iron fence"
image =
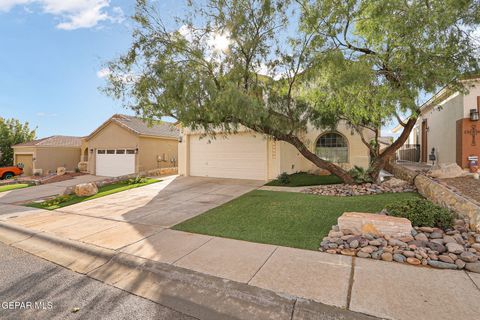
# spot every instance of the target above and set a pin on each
(409, 152)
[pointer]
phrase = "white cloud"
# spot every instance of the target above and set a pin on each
(73, 14)
(46, 114)
(103, 73)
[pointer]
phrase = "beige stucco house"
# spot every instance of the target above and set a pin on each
(47, 154)
(121, 145)
(448, 127)
(126, 144)
(249, 155)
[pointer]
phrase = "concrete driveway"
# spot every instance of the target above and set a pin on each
(165, 203)
(45, 190)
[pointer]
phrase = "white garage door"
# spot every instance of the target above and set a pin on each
(115, 162)
(240, 156)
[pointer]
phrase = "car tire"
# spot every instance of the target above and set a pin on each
(7, 175)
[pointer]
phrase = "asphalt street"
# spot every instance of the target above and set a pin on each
(63, 294)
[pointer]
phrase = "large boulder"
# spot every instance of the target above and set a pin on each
(86, 189)
(447, 170)
(394, 183)
(377, 224)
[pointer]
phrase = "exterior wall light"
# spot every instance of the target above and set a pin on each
(474, 114)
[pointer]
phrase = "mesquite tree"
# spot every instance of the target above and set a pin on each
(271, 66)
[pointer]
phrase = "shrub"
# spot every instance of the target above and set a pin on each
(137, 180)
(56, 201)
(422, 213)
(360, 175)
(77, 169)
(283, 178)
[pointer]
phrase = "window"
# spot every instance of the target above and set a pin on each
(130, 151)
(121, 151)
(101, 151)
(110, 151)
(332, 147)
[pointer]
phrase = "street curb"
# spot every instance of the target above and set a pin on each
(95, 251)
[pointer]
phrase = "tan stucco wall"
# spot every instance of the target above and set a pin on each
(112, 136)
(50, 158)
(442, 129)
(151, 148)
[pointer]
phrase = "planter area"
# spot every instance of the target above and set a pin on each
(454, 248)
(345, 190)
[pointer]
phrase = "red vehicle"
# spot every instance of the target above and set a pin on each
(10, 172)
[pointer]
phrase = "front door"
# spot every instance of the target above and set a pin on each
(424, 141)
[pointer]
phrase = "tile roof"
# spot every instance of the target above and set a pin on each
(53, 141)
(139, 126)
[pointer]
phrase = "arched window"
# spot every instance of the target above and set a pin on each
(332, 147)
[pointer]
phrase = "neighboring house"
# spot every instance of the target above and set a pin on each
(126, 144)
(47, 154)
(447, 126)
(121, 145)
(250, 155)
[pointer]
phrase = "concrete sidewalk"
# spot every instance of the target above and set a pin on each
(377, 288)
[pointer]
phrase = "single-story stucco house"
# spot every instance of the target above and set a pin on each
(47, 154)
(121, 145)
(250, 155)
(448, 127)
(126, 144)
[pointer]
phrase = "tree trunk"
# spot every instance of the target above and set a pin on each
(312, 157)
(379, 163)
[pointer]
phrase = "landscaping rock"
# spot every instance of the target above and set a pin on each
(447, 170)
(354, 244)
(442, 265)
(61, 171)
(448, 239)
(436, 235)
(446, 258)
(399, 258)
(374, 224)
(86, 189)
(460, 263)
(368, 249)
(421, 237)
(348, 252)
(347, 190)
(362, 254)
(440, 248)
(468, 257)
(455, 248)
(426, 229)
(387, 256)
(377, 254)
(473, 267)
(414, 261)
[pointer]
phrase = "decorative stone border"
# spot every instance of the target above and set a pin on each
(440, 194)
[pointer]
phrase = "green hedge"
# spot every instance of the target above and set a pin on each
(422, 213)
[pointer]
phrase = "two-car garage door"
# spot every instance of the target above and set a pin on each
(240, 156)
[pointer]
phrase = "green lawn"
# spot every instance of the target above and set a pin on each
(306, 179)
(283, 218)
(63, 201)
(13, 186)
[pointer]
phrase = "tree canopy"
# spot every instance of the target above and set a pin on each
(12, 132)
(279, 67)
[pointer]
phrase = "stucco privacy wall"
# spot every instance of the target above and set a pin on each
(150, 149)
(49, 159)
(442, 129)
(440, 194)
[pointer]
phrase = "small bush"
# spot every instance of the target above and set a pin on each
(77, 169)
(360, 175)
(56, 201)
(422, 213)
(137, 180)
(283, 178)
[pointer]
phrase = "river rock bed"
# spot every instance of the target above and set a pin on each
(455, 248)
(346, 190)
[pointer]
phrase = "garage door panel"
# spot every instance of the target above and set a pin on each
(114, 165)
(241, 156)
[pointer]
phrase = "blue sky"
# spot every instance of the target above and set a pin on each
(51, 57)
(50, 54)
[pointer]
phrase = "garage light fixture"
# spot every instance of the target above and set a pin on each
(91, 150)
